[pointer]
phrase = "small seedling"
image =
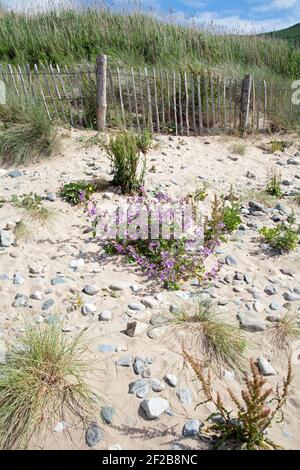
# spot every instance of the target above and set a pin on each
(76, 193)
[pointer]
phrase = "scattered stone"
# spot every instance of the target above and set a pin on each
(256, 206)
(292, 161)
(290, 297)
(136, 328)
(157, 385)
(15, 174)
(6, 238)
(271, 290)
(287, 272)
(157, 332)
(115, 447)
(140, 388)
(88, 308)
(37, 295)
(107, 414)
(105, 315)
(258, 307)
(275, 306)
(51, 197)
(36, 269)
(230, 260)
(125, 361)
(138, 365)
(185, 396)
(149, 302)
(90, 289)
(154, 407)
(57, 281)
(265, 367)
(135, 288)
(18, 279)
(250, 323)
(20, 300)
(106, 348)
(191, 428)
(76, 264)
(136, 307)
(93, 434)
(60, 426)
(248, 278)
(46, 305)
(171, 380)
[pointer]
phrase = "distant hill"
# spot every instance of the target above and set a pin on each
(291, 34)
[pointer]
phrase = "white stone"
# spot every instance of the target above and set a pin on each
(60, 426)
(37, 295)
(149, 302)
(119, 285)
(76, 263)
(265, 367)
(154, 407)
(105, 315)
(171, 380)
(88, 308)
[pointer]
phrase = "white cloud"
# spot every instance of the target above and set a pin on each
(277, 5)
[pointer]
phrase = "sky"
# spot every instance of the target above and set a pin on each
(243, 15)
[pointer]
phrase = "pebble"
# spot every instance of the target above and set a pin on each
(171, 380)
(271, 290)
(157, 385)
(20, 300)
(250, 323)
(230, 260)
(93, 434)
(57, 281)
(6, 238)
(149, 302)
(90, 289)
(191, 428)
(51, 197)
(46, 305)
(138, 365)
(37, 295)
(15, 173)
(140, 388)
(290, 297)
(88, 308)
(136, 307)
(125, 361)
(107, 414)
(154, 407)
(275, 306)
(105, 315)
(76, 263)
(106, 348)
(265, 367)
(157, 332)
(185, 396)
(60, 426)
(136, 328)
(18, 279)
(258, 307)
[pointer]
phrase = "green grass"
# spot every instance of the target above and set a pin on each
(42, 382)
(139, 39)
(292, 34)
(27, 135)
(205, 333)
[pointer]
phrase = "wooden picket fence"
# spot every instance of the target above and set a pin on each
(178, 102)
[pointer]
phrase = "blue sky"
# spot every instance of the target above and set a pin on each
(244, 15)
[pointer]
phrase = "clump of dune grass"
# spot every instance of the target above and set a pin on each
(34, 209)
(22, 231)
(239, 148)
(206, 333)
(42, 382)
(27, 134)
(284, 332)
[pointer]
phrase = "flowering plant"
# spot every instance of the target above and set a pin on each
(160, 235)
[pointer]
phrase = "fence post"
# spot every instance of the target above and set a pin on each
(101, 105)
(245, 104)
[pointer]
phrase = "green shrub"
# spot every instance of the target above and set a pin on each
(144, 140)
(239, 148)
(42, 382)
(273, 187)
(231, 217)
(28, 134)
(77, 192)
(282, 237)
(277, 146)
(125, 155)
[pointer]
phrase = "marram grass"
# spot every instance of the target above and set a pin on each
(42, 382)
